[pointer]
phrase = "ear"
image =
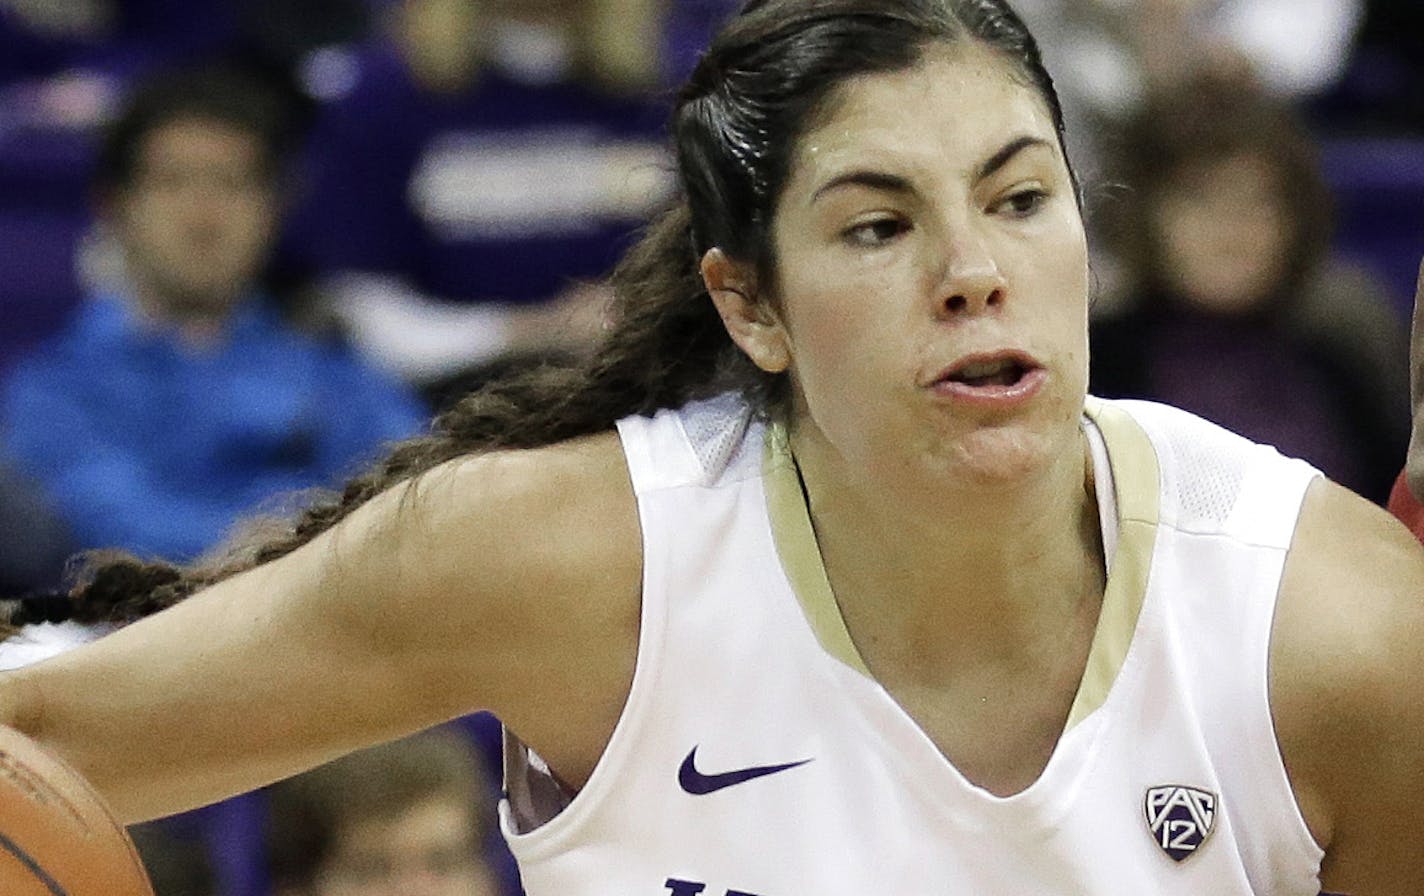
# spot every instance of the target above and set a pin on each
(752, 323)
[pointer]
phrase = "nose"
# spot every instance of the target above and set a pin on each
(969, 280)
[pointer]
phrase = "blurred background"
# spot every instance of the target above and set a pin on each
(246, 243)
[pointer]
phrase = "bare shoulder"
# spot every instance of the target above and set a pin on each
(514, 584)
(527, 520)
(1347, 672)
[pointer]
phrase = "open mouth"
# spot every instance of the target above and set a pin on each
(984, 372)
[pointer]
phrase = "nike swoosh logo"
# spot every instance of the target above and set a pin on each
(698, 784)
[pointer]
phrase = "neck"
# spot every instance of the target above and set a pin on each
(942, 573)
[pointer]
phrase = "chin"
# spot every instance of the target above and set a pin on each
(1005, 456)
(1001, 468)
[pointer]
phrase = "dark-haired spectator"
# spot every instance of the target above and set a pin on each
(177, 397)
(411, 818)
(65, 68)
(1236, 309)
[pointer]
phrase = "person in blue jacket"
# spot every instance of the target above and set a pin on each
(179, 397)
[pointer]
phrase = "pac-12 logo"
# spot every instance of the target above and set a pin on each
(1180, 818)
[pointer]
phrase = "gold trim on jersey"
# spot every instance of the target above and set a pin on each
(800, 554)
(1137, 488)
(1135, 476)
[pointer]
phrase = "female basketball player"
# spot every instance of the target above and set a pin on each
(862, 594)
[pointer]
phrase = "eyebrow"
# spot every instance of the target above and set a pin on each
(893, 183)
(1004, 156)
(875, 180)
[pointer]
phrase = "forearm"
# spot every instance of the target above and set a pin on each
(416, 608)
(219, 695)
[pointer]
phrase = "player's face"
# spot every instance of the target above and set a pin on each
(933, 274)
(197, 219)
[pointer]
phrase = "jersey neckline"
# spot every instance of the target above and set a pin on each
(1133, 476)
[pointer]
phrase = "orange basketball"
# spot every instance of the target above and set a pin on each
(57, 838)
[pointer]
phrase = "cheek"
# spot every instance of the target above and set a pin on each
(250, 224)
(1060, 275)
(833, 326)
(822, 354)
(1057, 269)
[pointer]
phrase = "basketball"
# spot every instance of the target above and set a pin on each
(57, 838)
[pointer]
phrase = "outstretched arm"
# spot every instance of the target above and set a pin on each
(506, 581)
(1347, 672)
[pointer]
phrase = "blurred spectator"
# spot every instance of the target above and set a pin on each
(177, 398)
(1237, 310)
(474, 168)
(411, 818)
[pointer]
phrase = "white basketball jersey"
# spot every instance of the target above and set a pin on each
(757, 757)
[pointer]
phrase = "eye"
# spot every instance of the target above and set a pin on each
(1023, 204)
(876, 232)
